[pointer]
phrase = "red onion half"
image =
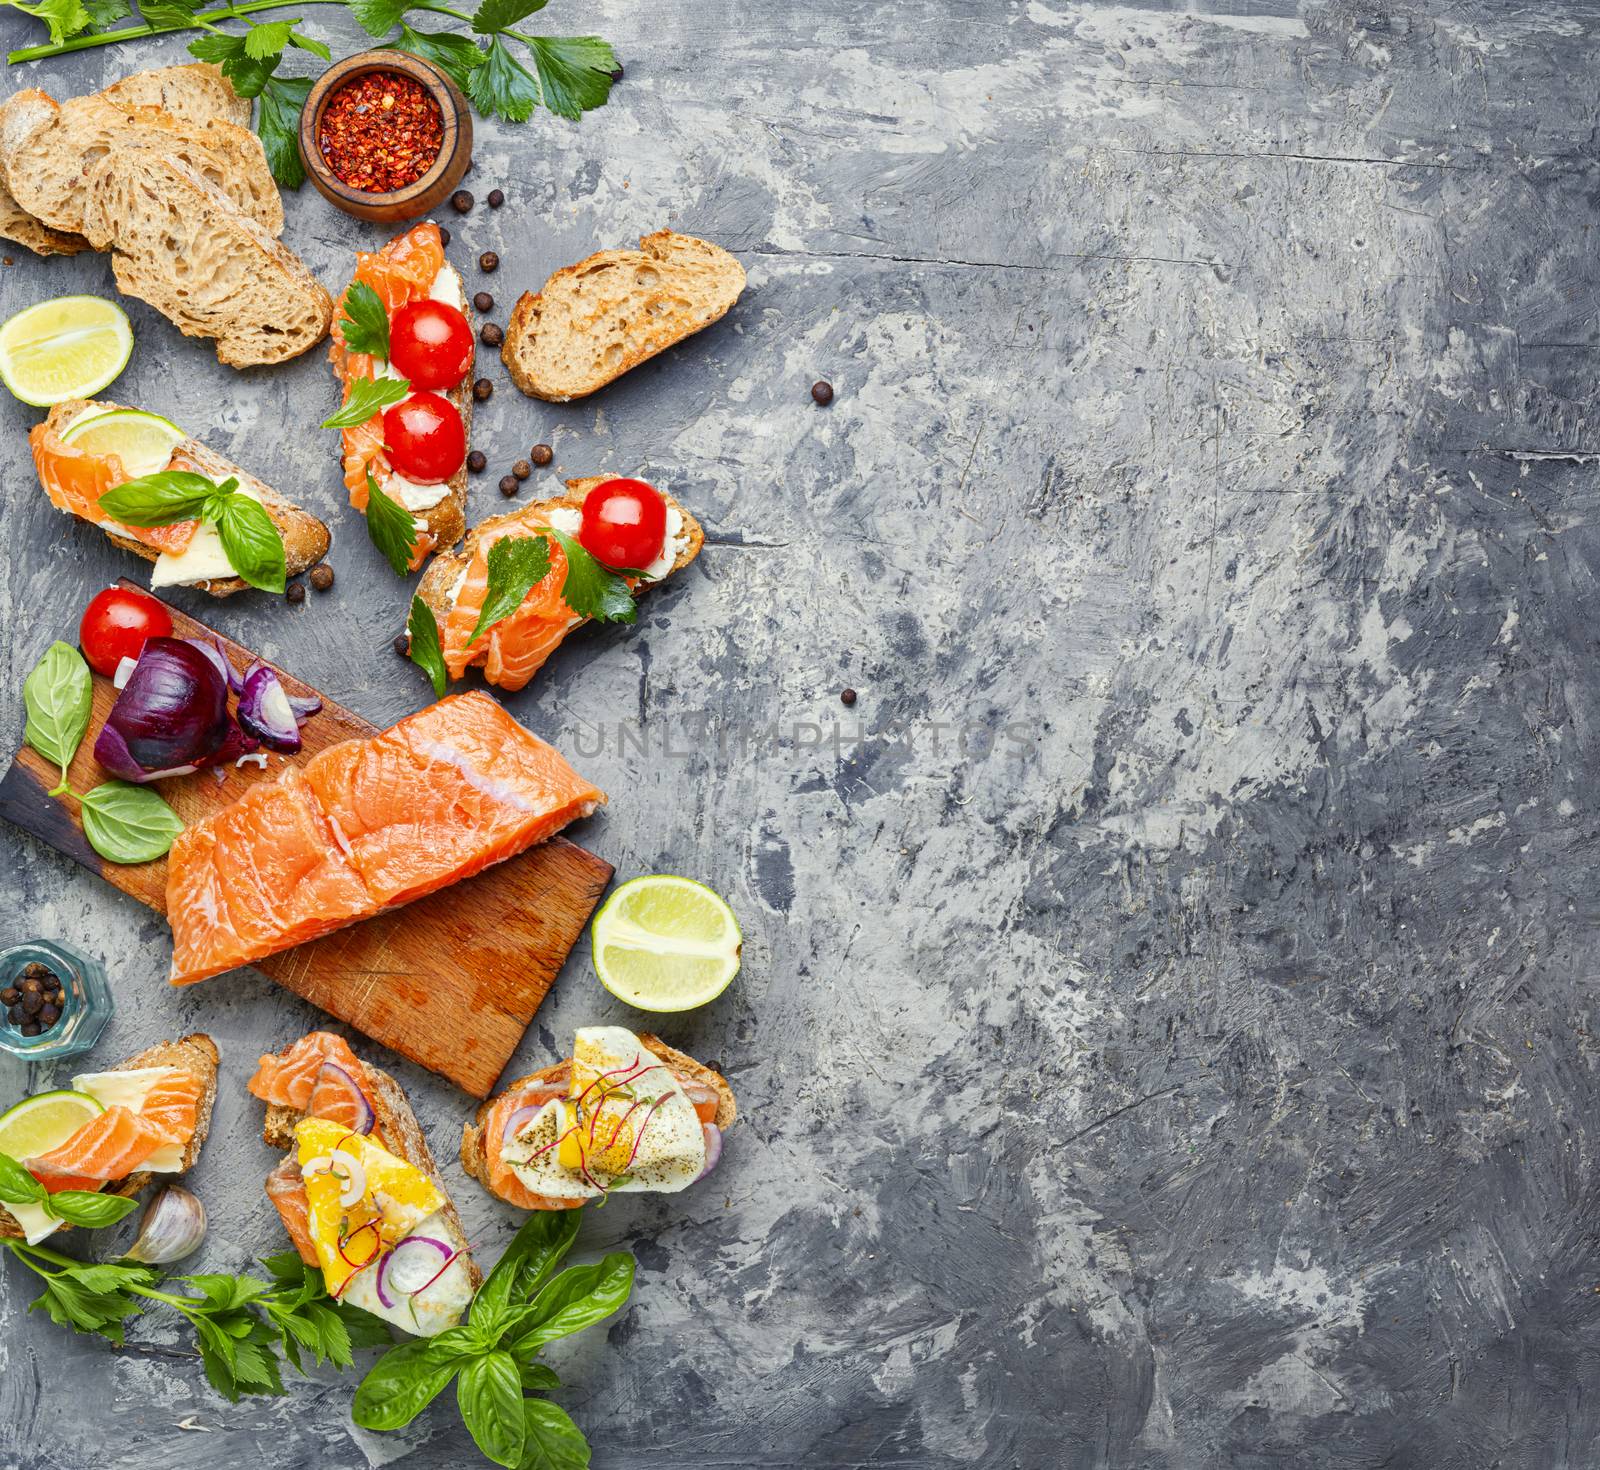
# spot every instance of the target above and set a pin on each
(170, 718)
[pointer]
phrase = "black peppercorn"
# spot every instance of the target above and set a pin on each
(444, 235)
(322, 576)
(30, 1028)
(483, 301)
(461, 201)
(543, 454)
(508, 485)
(34, 970)
(492, 335)
(31, 986)
(488, 261)
(402, 645)
(822, 392)
(49, 1015)
(295, 592)
(496, 198)
(14, 1015)
(847, 696)
(616, 76)
(31, 1002)
(483, 390)
(10, 995)
(522, 469)
(477, 461)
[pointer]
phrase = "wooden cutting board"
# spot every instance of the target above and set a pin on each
(450, 981)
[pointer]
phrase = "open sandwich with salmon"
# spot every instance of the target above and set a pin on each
(364, 826)
(153, 1113)
(402, 336)
(625, 1114)
(635, 534)
(77, 469)
(358, 1191)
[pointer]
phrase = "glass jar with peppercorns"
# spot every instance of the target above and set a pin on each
(54, 1002)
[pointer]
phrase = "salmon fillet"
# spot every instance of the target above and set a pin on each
(287, 1191)
(289, 1078)
(111, 1146)
(365, 825)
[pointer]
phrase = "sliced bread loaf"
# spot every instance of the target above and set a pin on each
(195, 93)
(17, 224)
(49, 150)
(189, 251)
(595, 320)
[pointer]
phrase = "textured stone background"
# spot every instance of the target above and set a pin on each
(1194, 1070)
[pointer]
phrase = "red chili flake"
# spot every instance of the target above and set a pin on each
(381, 132)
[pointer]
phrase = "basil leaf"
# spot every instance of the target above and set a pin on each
(379, 17)
(425, 651)
(128, 824)
(457, 56)
(592, 590)
(540, 1377)
(367, 397)
(489, 1395)
(283, 99)
(91, 1211)
(17, 1185)
(502, 86)
(159, 500)
(535, 1251)
(517, 564)
(59, 697)
(551, 1441)
(406, 1379)
(391, 526)
(365, 323)
(496, 15)
(252, 543)
(574, 72)
(579, 1297)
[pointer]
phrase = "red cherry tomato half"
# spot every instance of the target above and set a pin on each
(431, 344)
(425, 437)
(624, 523)
(115, 625)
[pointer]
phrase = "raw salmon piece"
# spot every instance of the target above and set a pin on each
(515, 648)
(363, 826)
(287, 1191)
(75, 481)
(173, 1105)
(289, 1078)
(109, 1146)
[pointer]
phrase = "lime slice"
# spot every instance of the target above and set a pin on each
(142, 441)
(665, 944)
(38, 1124)
(67, 347)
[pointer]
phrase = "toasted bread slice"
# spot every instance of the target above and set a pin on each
(400, 1133)
(438, 583)
(190, 252)
(595, 320)
(196, 1053)
(17, 224)
(473, 1159)
(48, 152)
(305, 538)
(196, 93)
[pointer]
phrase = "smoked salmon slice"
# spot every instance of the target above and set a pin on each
(75, 481)
(110, 1146)
(287, 1191)
(365, 825)
(288, 1079)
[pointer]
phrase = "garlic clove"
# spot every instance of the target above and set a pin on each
(173, 1226)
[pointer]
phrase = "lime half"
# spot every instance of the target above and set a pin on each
(142, 441)
(38, 1124)
(67, 347)
(663, 943)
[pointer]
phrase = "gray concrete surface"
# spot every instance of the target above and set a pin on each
(1195, 1069)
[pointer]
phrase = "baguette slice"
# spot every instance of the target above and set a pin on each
(305, 538)
(197, 1054)
(196, 93)
(473, 1159)
(17, 224)
(438, 583)
(595, 320)
(190, 252)
(49, 150)
(401, 1134)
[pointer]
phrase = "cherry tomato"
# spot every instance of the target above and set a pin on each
(425, 438)
(431, 343)
(624, 523)
(115, 625)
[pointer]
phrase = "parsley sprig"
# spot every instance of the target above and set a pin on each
(569, 75)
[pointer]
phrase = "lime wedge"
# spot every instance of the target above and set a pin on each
(67, 347)
(663, 943)
(142, 441)
(38, 1124)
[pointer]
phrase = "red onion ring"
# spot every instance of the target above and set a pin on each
(713, 1137)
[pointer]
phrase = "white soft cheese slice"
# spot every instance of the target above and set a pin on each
(35, 1221)
(413, 496)
(203, 559)
(447, 288)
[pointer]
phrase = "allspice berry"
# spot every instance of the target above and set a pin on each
(543, 454)
(322, 576)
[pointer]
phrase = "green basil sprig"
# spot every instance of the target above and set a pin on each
(367, 397)
(492, 1357)
(73, 1206)
(123, 823)
(250, 541)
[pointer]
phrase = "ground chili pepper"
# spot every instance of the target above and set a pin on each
(381, 132)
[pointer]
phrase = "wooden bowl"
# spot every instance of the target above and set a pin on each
(435, 186)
